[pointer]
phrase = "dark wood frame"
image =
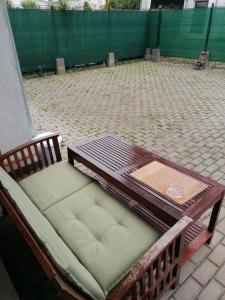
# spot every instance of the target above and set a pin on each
(156, 271)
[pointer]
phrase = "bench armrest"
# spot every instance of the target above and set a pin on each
(158, 269)
(31, 157)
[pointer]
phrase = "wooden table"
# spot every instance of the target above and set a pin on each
(114, 159)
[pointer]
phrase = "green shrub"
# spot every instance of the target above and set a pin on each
(29, 4)
(124, 4)
(63, 4)
(9, 3)
(87, 6)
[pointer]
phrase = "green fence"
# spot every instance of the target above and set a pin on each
(77, 36)
(86, 37)
(184, 33)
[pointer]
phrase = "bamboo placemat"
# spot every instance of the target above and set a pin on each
(169, 182)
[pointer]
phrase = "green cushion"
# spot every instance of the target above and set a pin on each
(57, 248)
(106, 237)
(53, 184)
(88, 232)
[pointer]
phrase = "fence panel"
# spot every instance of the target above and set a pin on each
(79, 37)
(153, 29)
(82, 36)
(216, 44)
(128, 33)
(86, 37)
(183, 32)
(35, 38)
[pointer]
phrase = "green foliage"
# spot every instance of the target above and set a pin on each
(87, 6)
(40, 71)
(124, 4)
(9, 3)
(63, 4)
(31, 4)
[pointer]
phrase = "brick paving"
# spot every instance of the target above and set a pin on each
(168, 108)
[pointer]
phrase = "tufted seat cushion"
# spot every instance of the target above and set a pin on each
(88, 232)
(53, 184)
(104, 235)
(50, 240)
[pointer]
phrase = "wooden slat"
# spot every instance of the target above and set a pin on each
(120, 153)
(142, 285)
(109, 158)
(12, 171)
(24, 158)
(50, 151)
(18, 164)
(100, 160)
(56, 148)
(44, 154)
(38, 156)
(33, 166)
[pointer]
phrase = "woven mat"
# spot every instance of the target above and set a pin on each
(169, 182)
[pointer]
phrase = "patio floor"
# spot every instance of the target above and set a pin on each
(168, 108)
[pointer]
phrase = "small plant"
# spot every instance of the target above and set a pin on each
(31, 4)
(124, 4)
(63, 4)
(40, 71)
(87, 6)
(9, 4)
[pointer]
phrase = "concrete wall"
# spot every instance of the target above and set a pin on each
(15, 121)
(191, 3)
(146, 4)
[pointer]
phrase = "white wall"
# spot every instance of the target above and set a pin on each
(15, 121)
(145, 4)
(189, 3)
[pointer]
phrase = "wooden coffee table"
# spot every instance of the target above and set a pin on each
(115, 163)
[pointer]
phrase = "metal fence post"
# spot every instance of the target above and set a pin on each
(209, 27)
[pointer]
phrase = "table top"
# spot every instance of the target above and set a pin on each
(115, 159)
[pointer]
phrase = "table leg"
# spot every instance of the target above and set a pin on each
(70, 156)
(214, 218)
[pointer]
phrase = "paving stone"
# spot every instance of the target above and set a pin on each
(220, 276)
(212, 291)
(186, 270)
(221, 162)
(217, 175)
(188, 291)
(167, 295)
(217, 237)
(205, 272)
(218, 255)
(200, 255)
(200, 168)
(222, 213)
(221, 226)
(212, 168)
